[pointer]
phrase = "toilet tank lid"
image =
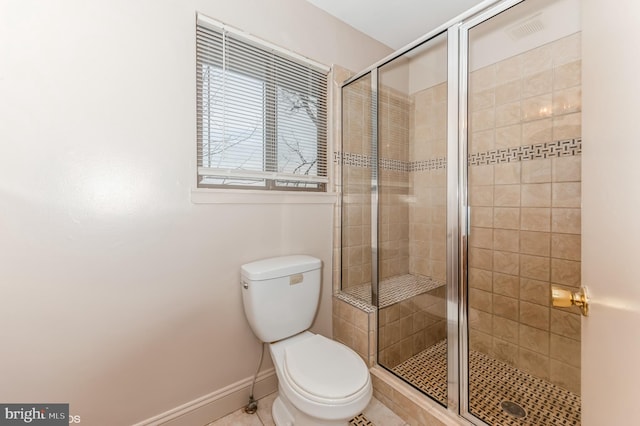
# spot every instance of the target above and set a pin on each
(282, 266)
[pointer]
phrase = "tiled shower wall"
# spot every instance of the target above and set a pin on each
(428, 182)
(410, 326)
(524, 195)
(393, 143)
(355, 210)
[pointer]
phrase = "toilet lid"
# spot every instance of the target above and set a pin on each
(325, 368)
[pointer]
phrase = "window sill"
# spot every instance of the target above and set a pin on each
(239, 196)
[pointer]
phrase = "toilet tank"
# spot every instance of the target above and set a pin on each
(280, 295)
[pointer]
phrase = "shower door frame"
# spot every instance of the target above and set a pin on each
(463, 96)
(457, 30)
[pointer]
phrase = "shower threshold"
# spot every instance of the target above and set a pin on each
(492, 382)
(395, 289)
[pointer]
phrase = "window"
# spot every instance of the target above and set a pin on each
(262, 114)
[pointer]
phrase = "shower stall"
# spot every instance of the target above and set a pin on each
(460, 211)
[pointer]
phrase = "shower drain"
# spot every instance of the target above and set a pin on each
(513, 409)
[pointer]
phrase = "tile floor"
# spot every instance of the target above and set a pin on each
(491, 383)
(376, 414)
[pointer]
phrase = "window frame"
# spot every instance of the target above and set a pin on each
(270, 122)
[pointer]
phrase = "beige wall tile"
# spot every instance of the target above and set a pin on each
(566, 221)
(481, 175)
(506, 217)
(567, 101)
(537, 107)
(536, 267)
(505, 329)
(480, 258)
(537, 84)
(482, 141)
(506, 196)
(509, 69)
(565, 376)
(481, 342)
(535, 243)
(505, 351)
(567, 75)
(566, 324)
(480, 300)
(566, 246)
(506, 285)
(567, 169)
(534, 315)
(507, 173)
(537, 60)
(536, 171)
(508, 92)
(480, 279)
(535, 219)
(508, 136)
(505, 307)
(482, 216)
(567, 126)
(507, 114)
(505, 262)
(538, 131)
(506, 240)
(567, 49)
(479, 320)
(565, 350)
(567, 194)
(534, 339)
(481, 237)
(533, 362)
(485, 119)
(481, 195)
(481, 100)
(483, 79)
(565, 272)
(536, 195)
(535, 291)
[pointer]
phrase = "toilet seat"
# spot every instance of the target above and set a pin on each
(325, 371)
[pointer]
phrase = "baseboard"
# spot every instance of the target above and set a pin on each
(208, 408)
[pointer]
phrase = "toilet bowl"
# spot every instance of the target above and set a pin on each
(320, 381)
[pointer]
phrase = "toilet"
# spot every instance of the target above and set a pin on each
(320, 381)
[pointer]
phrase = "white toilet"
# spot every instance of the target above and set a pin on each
(320, 381)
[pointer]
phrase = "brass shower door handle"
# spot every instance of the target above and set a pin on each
(564, 298)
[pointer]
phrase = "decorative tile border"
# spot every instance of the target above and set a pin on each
(351, 159)
(432, 164)
(363, 160)
(562, 148)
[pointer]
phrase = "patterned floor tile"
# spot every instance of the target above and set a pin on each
(491, 382)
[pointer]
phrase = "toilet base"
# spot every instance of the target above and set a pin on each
(285, 414)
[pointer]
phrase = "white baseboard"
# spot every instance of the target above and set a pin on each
(208, 408)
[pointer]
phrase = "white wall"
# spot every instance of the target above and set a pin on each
(611, 204)
(118, 294)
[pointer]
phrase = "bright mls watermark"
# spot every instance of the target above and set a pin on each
(36, 414)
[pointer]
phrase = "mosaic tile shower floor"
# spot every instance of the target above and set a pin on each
(490, 383)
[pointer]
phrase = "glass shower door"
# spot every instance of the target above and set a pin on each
(523, 165)
(412, 208)
(358, 123)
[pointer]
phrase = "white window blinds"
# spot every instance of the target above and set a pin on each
(262, 114)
